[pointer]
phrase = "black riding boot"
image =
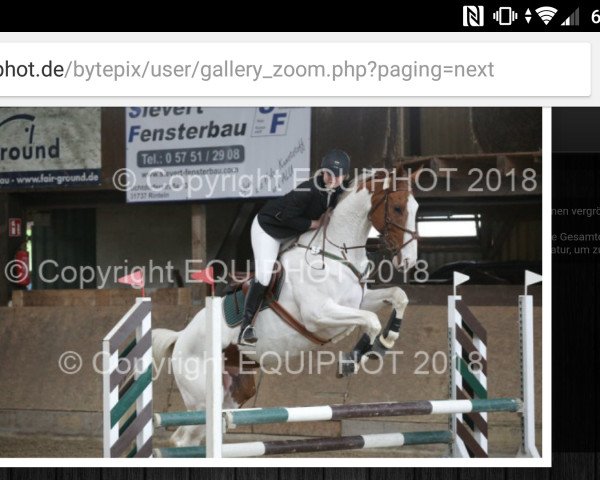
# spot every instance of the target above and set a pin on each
(253, 300)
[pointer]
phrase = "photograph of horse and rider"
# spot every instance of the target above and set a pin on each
(365, 269)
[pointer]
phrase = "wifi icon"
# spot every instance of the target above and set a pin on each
(546, 13)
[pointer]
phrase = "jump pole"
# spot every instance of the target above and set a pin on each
(322, 444)
(270, 415)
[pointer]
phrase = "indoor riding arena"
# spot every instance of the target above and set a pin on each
(90, 196)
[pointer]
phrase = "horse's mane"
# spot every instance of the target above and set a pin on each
(351, 187)
(367, 175)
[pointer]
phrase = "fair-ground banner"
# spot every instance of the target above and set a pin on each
(49, 147)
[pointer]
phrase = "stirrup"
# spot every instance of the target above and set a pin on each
(247, 336)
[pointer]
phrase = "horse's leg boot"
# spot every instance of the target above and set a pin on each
(385, 340)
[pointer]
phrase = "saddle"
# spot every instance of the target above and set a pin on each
(234, 301)
(235, 298)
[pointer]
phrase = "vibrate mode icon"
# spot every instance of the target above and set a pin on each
(505, 16)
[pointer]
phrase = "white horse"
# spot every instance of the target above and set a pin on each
(329, 302)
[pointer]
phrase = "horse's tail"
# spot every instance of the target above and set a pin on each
(162, 340)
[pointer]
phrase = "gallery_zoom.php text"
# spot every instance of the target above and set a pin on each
(345, 70)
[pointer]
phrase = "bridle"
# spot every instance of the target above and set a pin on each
(388, 224)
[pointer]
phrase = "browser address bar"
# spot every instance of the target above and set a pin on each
(295, 69)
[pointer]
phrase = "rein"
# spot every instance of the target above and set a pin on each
(387, 225)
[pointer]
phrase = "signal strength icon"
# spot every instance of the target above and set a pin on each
(546, 13)
(573, 19)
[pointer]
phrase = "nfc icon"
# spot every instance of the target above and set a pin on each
(473, 16)
(505, 16)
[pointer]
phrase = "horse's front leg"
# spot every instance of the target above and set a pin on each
(373, 300)
(333, 315)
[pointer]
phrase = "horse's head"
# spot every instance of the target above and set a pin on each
(393, 214)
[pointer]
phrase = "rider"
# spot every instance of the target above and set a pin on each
(287, 217)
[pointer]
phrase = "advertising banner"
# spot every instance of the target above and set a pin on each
(49, 147)
(195, 153)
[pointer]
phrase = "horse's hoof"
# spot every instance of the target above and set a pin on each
(347, 366)
(378, 349)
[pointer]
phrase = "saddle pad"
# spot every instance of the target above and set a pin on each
(233, 303)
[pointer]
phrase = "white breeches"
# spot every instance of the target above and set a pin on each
(265, 249)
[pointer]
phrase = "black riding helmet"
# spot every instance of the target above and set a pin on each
(337, 161)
